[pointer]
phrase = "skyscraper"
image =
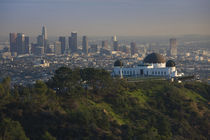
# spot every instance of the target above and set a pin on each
(115, 43)
(73, 42)
(104, 44)
(26, 45)
(13, 43)
(62, 40)
(45, 40)
(115, 46)
(69, 49)
(44, 32)
(57, 47)
(114, 38)
(20, 43)
(93, 48)
(40, 40)
(133, 48)
(84, 45)
(173, 47)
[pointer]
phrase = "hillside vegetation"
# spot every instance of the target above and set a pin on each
(90, 104)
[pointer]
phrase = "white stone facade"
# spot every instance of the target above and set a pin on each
(156, 70)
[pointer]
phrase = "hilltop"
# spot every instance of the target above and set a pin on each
(90, 104)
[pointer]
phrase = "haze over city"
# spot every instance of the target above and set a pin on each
(104, 69)
(106, 17)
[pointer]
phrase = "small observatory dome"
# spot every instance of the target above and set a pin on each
(118, 63)
(170, 63)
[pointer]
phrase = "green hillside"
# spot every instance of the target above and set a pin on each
(90, 104)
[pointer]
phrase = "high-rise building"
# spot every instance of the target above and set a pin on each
(33, 48)
(116, 46)
(26, 45)
(84, 45)
(173, 47)
(93, 48)
(57, 47)
(115, 43)
(73, 42)
(62, 40)
(126, 49)
(133, 48)
(50, 48)
(20, 43)
(39, 50)
(13, 43)
(44, 32)
(104, 44)
(114, 38)
(45, 40)
(40, 40)
(69, 41)
(104, 48)
(46, 44)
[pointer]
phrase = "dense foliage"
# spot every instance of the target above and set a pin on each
(90, 104)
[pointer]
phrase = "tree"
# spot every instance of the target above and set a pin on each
(48, 136)
(5, 86)
(65, 80)
(40, 87)
(2, 93)
(96, 78)
(11, 130)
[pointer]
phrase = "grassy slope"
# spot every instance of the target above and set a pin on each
(141, 110)
(175, 103)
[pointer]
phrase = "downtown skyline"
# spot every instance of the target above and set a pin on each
(104, 18)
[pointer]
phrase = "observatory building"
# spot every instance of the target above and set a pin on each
(154, 65)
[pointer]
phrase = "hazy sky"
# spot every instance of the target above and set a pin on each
(105, 17)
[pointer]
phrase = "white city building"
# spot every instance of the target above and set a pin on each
(153, 65)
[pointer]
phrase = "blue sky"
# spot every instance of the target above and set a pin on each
(106, 17)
